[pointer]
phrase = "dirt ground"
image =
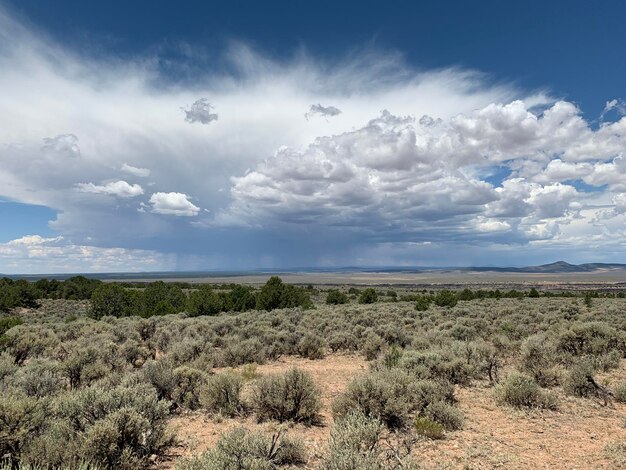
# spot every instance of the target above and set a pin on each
(576, 436)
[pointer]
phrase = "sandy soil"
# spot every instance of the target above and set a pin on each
(575, 437)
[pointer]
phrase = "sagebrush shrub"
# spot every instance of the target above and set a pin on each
(619, 391)
(292, 396)
(22, 420)
(356, 444)
(222, 394)
(580, 382)
(391, 396)
(538, 357)
(312, 346)
(521, 391)
(241, 449)
(450, 417)
(188, 383)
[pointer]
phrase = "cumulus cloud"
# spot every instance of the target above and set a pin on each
(491, 225)
(33, 240)
(133, 170)
(114, 188)
(415, 173)
(200, 111)
(401, 174)
(36, 254)
(173, 204)
(324, 111)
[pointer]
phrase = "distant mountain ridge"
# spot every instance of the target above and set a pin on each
(554, 268)
(558, 267)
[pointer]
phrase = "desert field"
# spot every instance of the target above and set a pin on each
(278, 376)
(459, 279)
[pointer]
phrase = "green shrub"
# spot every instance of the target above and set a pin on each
(6, 323)
(116, 428)
(292, 396)
(204, 301)
(521, 391)
(422, 303)
(580, 382)
(446, 298)
(312, 346)
(274, 294)
(22, 419)
(619, 391)
(389, 395)
(538, 358)
(188, 383)
(368, 296)
(160, 298)
(240, 449)
(593, 338)
(428, 428)
(159, 374)
(336, 297)
(222, 394)
(356, 444)
(39, 378)
(372, 346)
(437, 364)
(450, 417)
(110, 300)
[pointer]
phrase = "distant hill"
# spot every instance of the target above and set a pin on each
(555, 268)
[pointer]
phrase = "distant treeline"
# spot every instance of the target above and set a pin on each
(154, 298)
(160, 298)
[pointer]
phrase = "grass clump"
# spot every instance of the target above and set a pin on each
(428, 428)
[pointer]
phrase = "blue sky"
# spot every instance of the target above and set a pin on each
(203, 135)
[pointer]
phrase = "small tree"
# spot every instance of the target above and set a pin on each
(422, 303)
(204, 301)
(368, 296)
(446, 298)
(110, 300)
(336, 297)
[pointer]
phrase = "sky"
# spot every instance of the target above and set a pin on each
(194, 136)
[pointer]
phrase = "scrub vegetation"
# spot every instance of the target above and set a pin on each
(93, 373)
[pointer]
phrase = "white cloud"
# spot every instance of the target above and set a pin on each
(323, 111)
(617, 105)
(139, 172)
(33, 240)
(114, 188)
(173, 204)
(35, 254)
(392, 176)
(491, 225)
(200, 111)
